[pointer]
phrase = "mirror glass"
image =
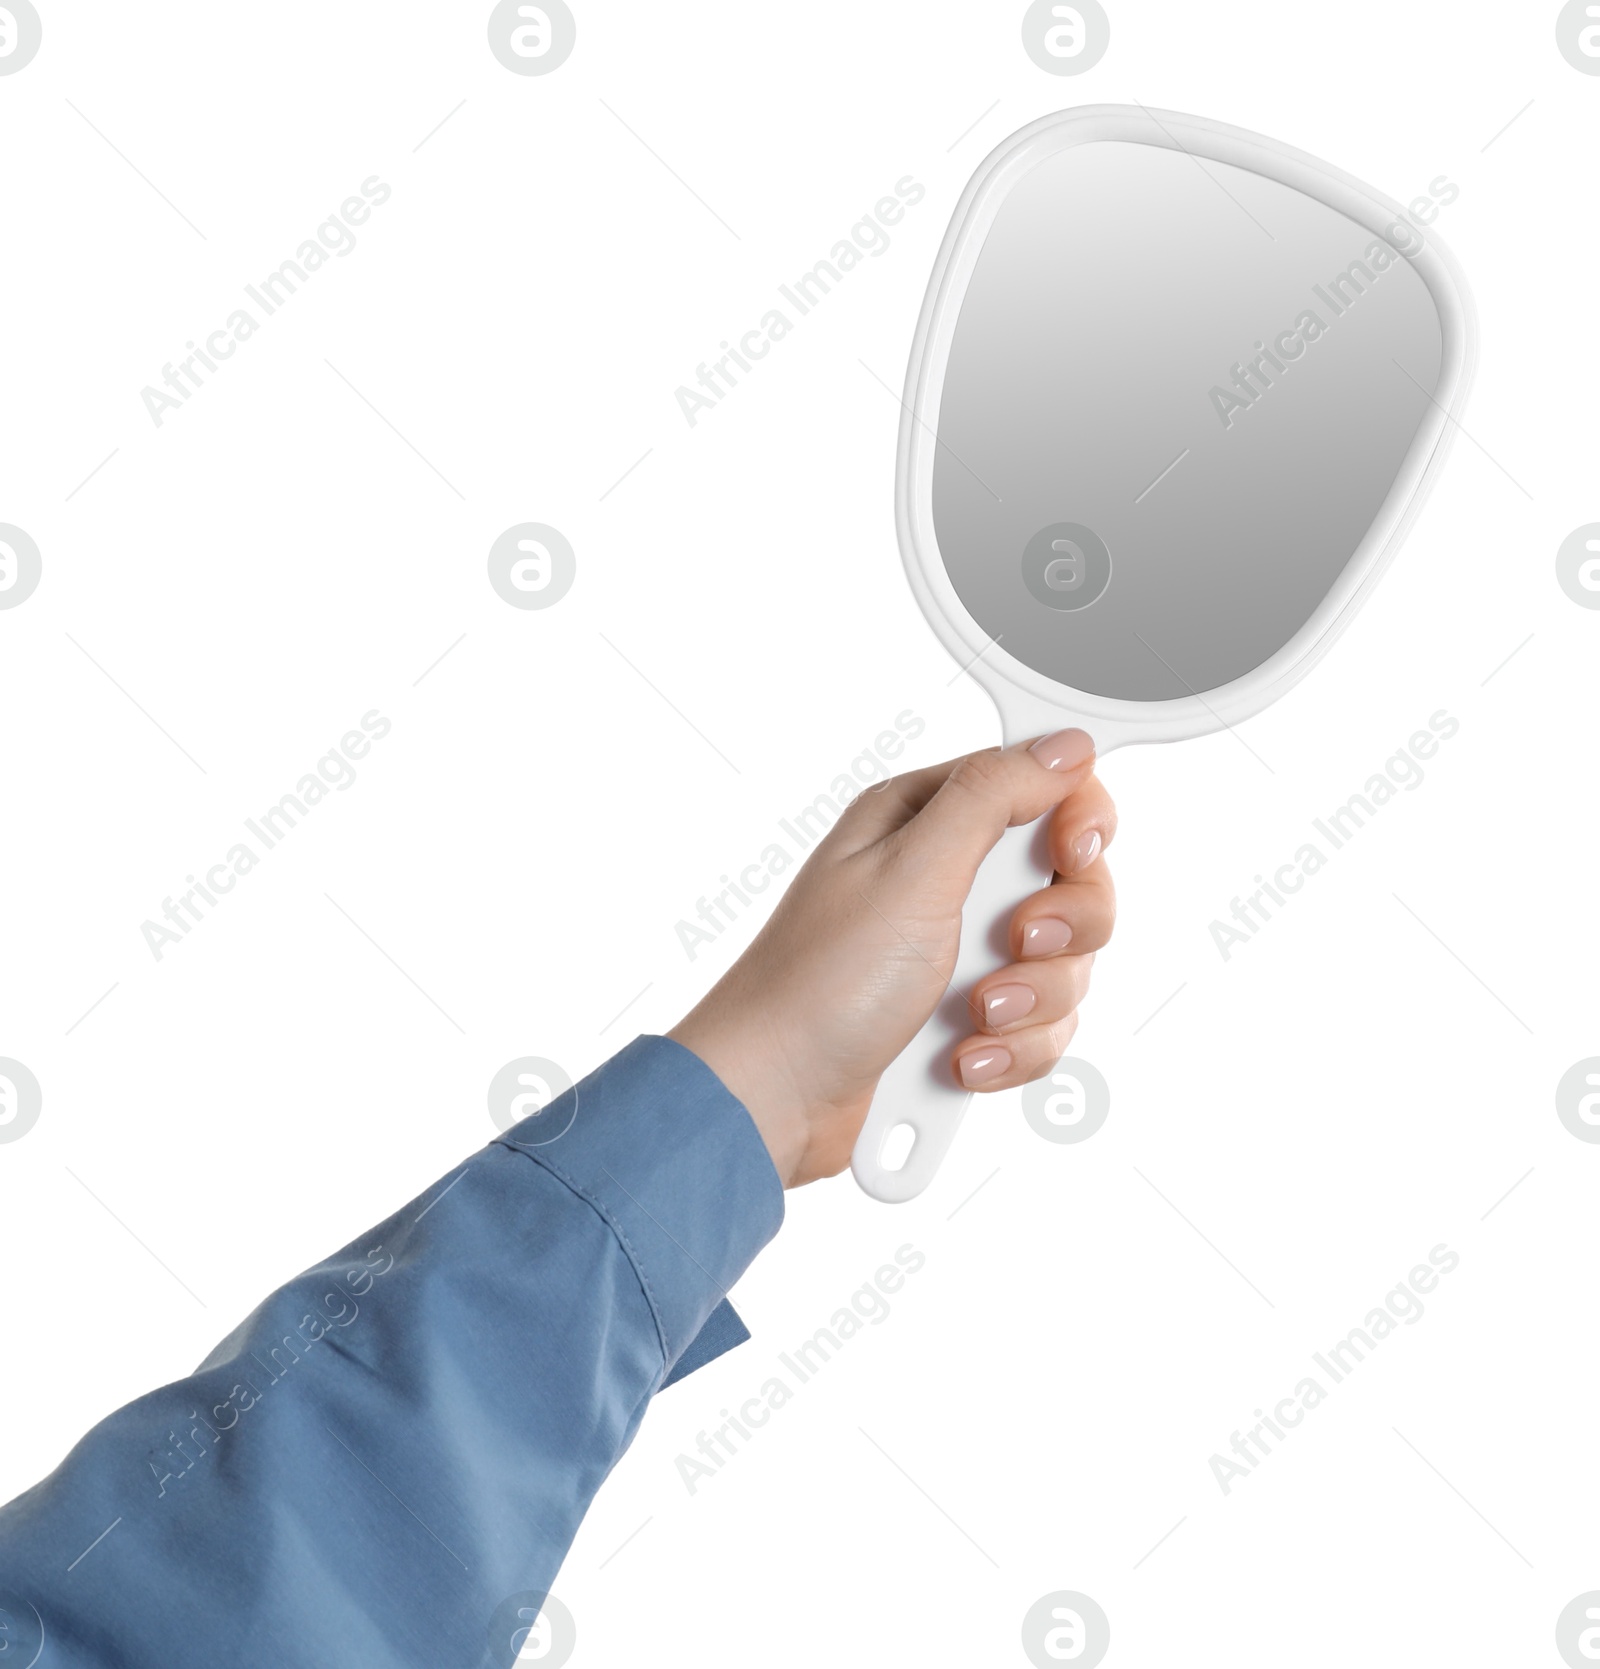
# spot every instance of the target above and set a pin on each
(1177, 395)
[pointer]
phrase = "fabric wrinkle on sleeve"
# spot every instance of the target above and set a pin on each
(674, 1163)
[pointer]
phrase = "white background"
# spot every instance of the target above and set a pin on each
(274, 561)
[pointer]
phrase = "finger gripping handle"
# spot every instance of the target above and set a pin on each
(920, 1089)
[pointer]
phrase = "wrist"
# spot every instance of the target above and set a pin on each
(735, 1054)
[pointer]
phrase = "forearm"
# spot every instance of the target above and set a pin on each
(401, 1437)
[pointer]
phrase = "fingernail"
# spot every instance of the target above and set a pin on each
(1066, 750)
(1085, 849)
(985, 1067)
(1004, 1005)
(1048, 936)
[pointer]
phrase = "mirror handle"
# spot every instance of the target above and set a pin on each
(919, 1089)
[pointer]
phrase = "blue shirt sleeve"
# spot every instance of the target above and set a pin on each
(409, 1433)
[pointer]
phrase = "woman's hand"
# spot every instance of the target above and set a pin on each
(862, 946)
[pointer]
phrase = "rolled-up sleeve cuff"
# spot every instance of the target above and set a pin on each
(673, 1162)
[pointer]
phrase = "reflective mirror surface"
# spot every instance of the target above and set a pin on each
(1177, 395)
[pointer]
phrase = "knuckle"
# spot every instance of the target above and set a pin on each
(1060, 1036)
(1081, 975)
(982, 775)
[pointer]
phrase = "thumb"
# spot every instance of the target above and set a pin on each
(987, 793)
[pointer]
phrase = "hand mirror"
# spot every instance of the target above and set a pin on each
(1175, 398)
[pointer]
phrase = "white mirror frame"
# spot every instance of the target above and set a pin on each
(1029, 702)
